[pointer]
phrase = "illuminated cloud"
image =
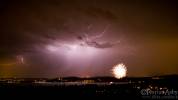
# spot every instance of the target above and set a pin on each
(85, 38)
(92, 40)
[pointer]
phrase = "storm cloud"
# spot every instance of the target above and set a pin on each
(49, 38)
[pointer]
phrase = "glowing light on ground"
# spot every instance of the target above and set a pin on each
(119, 71)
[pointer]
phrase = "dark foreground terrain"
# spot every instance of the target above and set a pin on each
(162, 87)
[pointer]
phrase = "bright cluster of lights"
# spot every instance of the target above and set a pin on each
(119, 71)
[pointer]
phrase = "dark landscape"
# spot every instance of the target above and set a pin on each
(108, 87)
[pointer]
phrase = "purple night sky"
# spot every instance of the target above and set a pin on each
(51, 38)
